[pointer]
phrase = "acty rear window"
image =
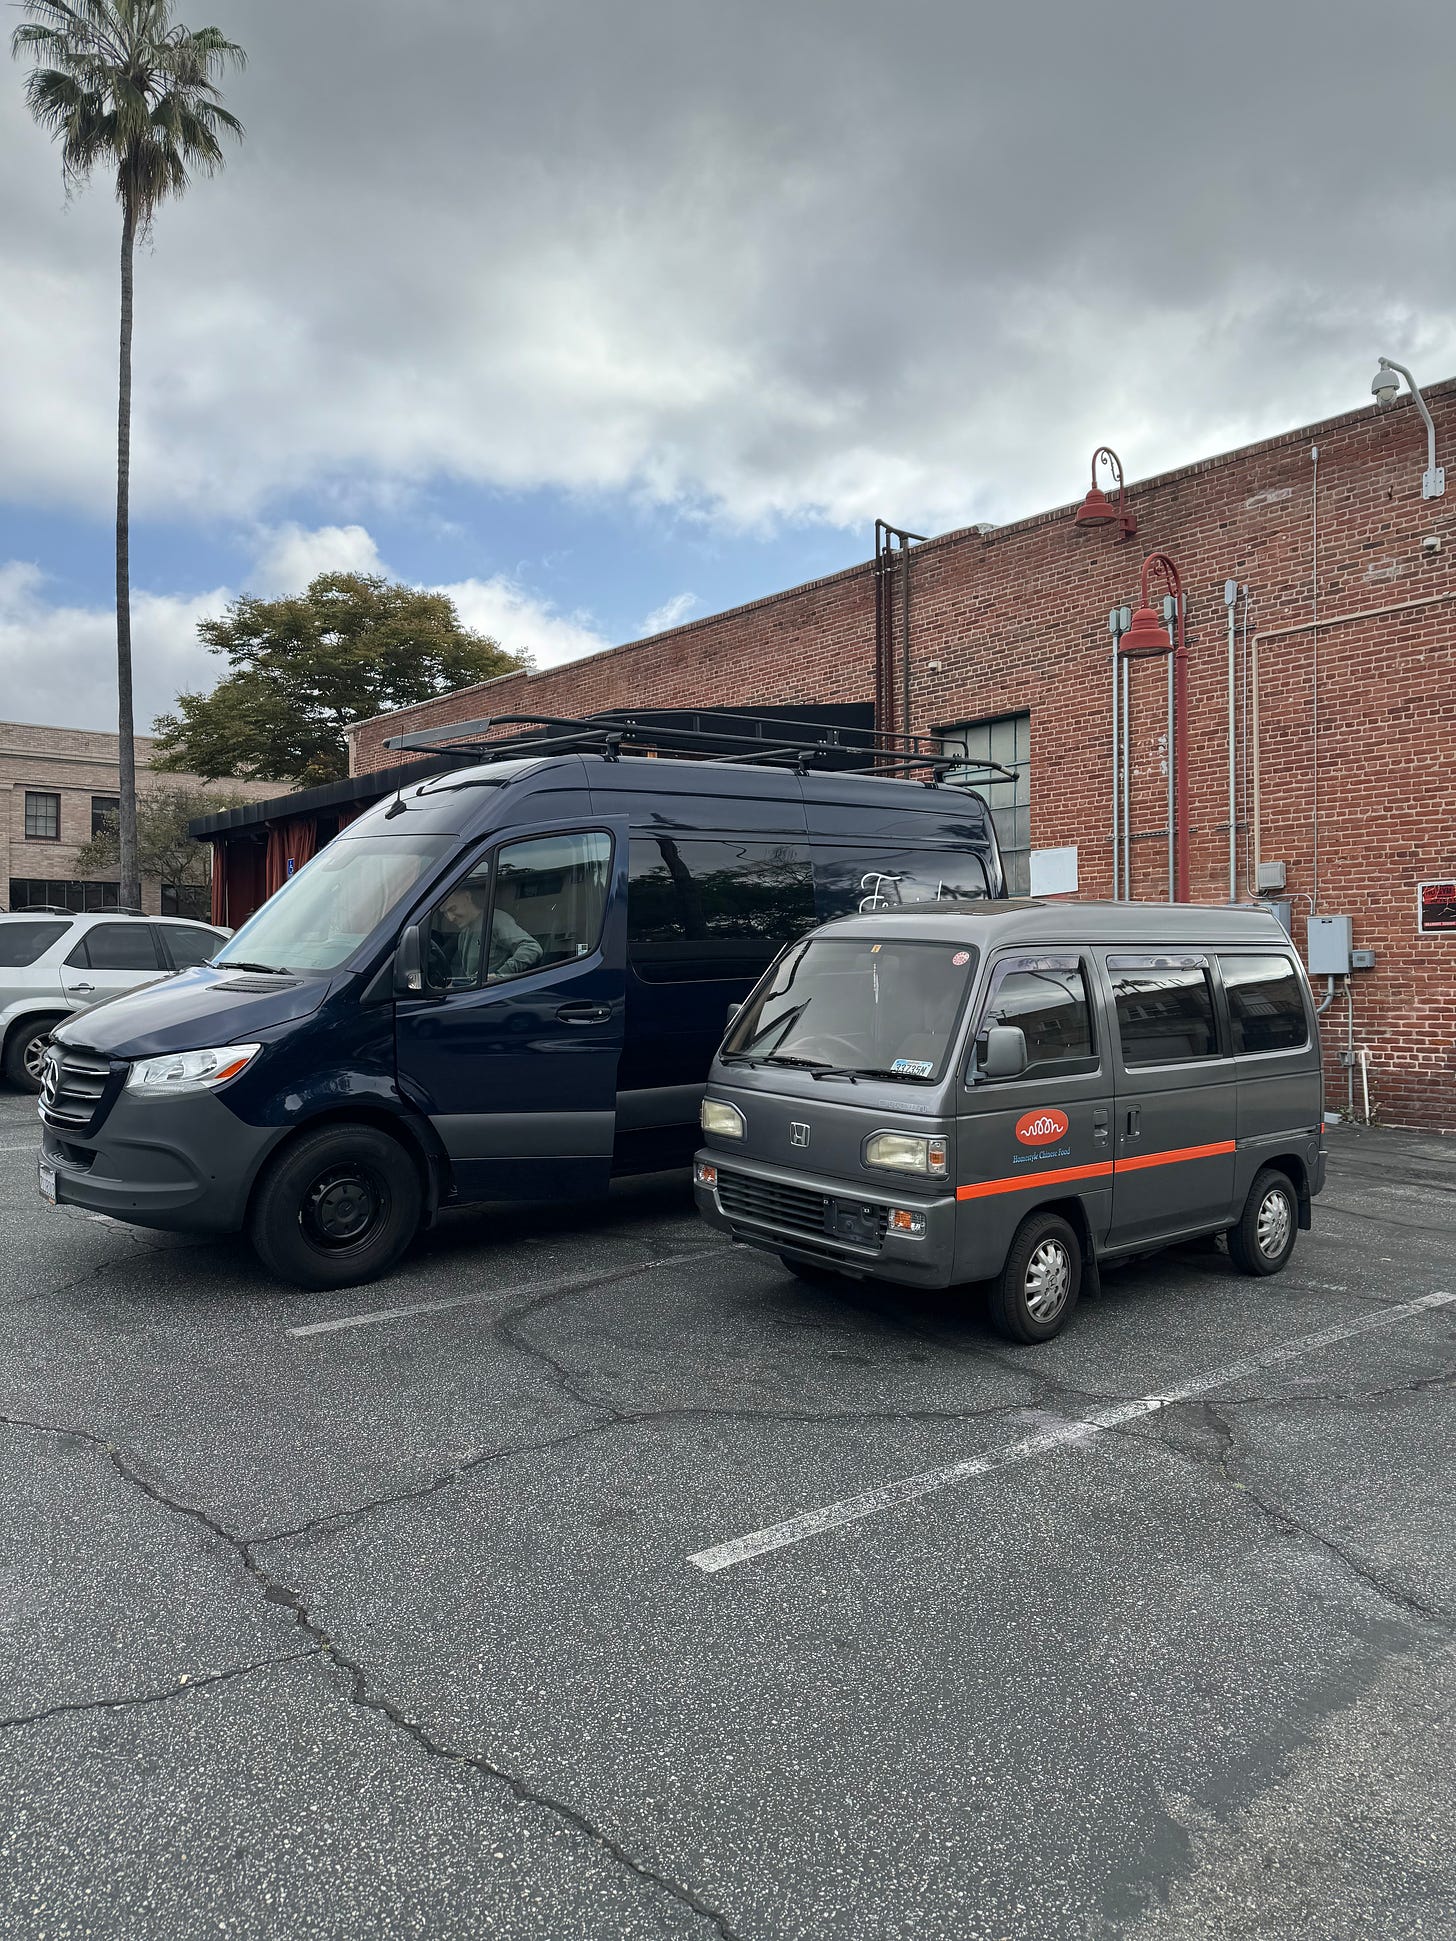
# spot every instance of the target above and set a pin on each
(21, 943)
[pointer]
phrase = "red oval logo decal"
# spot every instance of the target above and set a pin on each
(1036, 1128)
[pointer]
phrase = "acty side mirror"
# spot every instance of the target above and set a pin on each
(1005, 1054)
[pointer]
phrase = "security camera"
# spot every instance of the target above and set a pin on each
(1431, 545)
(1385, 384)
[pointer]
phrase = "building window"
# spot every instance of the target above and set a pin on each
(187, 900)
(47, 893)
(104, 809)
(1006, 740)
(42, 816)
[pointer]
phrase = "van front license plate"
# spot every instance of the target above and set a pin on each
(47, 1177)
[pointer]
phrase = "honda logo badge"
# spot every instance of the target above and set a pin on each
(798, 1133)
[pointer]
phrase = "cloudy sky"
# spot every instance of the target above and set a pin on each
(603, 313)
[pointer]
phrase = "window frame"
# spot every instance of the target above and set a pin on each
(1115, 962)
(1019, 767)
(1287, 959)
(487, 860)
(1045, 1070)
(40, 795)
(81, 950)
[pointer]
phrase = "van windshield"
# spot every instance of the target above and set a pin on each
(321, 916)
(878, 1008)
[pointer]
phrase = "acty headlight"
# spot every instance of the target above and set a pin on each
(190, 1071)
(725, 1120)
(903, 1152)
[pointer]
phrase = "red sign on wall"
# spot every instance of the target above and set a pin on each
(1437, 908)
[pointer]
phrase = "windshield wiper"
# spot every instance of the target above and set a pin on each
(268, 970)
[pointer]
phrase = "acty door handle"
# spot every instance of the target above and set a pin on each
(1134, 1121)
(584, 1014)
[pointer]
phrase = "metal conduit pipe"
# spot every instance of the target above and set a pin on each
(1230, 600)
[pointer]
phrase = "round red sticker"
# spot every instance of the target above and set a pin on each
(1036, 1128)
(961, 957)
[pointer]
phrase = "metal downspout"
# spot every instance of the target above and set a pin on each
(1230, 600)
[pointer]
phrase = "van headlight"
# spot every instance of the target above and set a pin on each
(717, 1116)
(189, 1071)
(906, 1152)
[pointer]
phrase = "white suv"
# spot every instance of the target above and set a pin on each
(52, 964)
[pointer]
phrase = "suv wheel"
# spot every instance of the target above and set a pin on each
(336, 1207)
(1033, 1296)
(25, 1052)
(1264, 1238)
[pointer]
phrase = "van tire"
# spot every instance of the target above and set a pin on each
(1264, 1237)
(1033, 1296)
(26, 1041)
(336, 1207)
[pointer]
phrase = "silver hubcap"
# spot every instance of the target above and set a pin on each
(1048, 1281)
(1274, 1223)
(35, 1056)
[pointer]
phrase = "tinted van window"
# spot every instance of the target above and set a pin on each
(852, 880)
(1164, 1009)
(1266, 1004)
(700, 910)
(1047, 998)
(22, 943)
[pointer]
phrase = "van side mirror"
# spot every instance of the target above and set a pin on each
(410, 978)
(733, 1010)
(1005, 1053)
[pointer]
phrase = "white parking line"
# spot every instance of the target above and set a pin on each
(374, 1315)
(813, 1523)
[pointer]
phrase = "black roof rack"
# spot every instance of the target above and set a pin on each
(728, 737)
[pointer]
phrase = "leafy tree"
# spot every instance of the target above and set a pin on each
(121, 86)
(302, 669)
(164, 847)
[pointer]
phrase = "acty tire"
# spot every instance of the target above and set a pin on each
(1033, 1296)
(336, 1207)
(1264, 1238)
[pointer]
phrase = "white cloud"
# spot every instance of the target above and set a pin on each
(58, 662)
(289, 557)
(762, 274)
(671, 613)
(523, 622)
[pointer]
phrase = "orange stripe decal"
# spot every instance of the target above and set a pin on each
(1103, 1170)
(1141, 1160)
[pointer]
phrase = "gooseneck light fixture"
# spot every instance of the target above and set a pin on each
(1097, 509)
(1385, 385)
(1142, 640)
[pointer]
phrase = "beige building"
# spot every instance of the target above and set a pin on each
(56, 787)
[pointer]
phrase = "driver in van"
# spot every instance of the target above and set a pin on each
(455, 940)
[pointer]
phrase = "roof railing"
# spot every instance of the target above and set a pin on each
(614, 732)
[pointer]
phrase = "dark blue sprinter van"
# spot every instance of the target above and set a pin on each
(507, 982)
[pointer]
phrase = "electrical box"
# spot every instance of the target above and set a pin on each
(1328, 947)
(1284, 910)
(1269, 876)
(1362, 960)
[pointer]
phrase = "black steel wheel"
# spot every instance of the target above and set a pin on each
(336, 1207)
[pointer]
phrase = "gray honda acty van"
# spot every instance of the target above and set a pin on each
(1015, 1092)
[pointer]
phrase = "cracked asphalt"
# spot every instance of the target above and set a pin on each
(390, 1630)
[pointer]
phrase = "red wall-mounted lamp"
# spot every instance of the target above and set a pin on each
(1097, 509)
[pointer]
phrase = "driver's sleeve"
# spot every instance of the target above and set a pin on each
(512, 948)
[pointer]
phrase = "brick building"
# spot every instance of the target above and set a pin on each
(57, 785)
(1344, 700)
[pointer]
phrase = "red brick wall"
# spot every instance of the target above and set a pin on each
(1017, 619)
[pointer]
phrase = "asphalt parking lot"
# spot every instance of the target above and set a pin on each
(420, 1609)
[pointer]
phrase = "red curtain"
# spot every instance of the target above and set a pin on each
(288, 842)
(219, 882)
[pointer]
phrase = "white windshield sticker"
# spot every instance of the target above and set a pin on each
(914, 1067)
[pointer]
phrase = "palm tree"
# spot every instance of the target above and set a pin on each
(120, 84)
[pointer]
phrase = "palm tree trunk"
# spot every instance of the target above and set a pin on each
(130, 890)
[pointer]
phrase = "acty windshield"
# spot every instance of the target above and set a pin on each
(886, 1008)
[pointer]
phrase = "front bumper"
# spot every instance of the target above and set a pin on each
(186, 1165)
(919, 1260)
